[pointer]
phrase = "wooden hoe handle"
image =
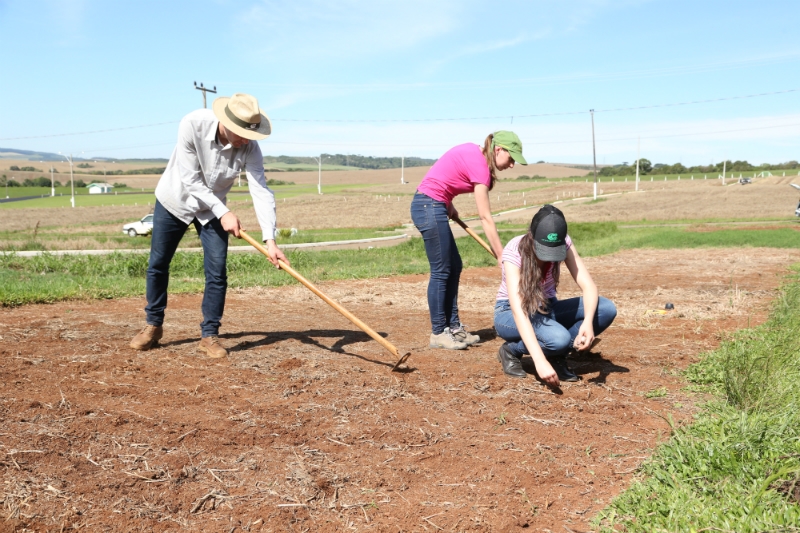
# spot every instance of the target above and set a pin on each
(347, 314)
(475, 236)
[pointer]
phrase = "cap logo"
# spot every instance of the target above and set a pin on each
(552, 237)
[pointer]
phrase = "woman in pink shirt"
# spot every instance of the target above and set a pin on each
(463, 169)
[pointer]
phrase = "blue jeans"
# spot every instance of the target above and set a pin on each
(555, 331)
(430, 218)
(167, 233)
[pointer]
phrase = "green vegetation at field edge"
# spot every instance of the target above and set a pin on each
(147, 197)
(37, 239)
(50, 278)
(737, 467)
(144, 200)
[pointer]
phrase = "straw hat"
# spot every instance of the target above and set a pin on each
(240, 114)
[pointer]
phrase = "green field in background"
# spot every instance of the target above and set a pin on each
(51, 278)
(84, 199)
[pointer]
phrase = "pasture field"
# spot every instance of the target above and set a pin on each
(304, 428)
(375, 203)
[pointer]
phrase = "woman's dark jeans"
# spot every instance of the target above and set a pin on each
(555, 331)
(167, 233)
(430, 218)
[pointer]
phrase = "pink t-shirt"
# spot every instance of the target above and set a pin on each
(456, 172)
(512, 256)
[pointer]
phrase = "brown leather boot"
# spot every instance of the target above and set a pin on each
(147, 338)
(212, 347)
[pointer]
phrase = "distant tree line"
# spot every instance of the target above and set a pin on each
(28, 182)
(529, 178)
(646, 167)
(154, 170)
(355, 161)
(23, 169)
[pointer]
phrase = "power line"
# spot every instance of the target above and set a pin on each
(599, 139)
(375, 121)
(89, 132)
(544, 80)
(606, 139)
(512, 117)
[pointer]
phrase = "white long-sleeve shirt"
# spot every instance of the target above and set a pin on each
(201, 171)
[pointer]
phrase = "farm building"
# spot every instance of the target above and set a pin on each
(99, 188)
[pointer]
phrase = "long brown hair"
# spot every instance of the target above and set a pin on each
(531, 276)
(488, 153)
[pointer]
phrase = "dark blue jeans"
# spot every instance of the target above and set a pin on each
(555, 331)
(167, 233)
(430, 218)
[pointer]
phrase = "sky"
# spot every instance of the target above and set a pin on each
(101, 78)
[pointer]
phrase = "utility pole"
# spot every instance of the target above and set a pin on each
(724, 164)
(71, 177)
(319, 183)
(638, 156)
(402, 168)
(594, 155)
(205, 90)
(52, 182)
(72, 181)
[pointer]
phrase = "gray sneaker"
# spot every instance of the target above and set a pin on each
(461, 334)
(447, 340)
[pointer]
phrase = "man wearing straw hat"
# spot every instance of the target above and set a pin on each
(213, 148)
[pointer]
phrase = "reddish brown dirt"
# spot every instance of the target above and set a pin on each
(304, 427)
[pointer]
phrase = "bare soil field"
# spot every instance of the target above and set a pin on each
(388, 205)
(304, 428)
(338, 177)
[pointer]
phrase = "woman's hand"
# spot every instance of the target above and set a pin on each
(585, 337)
(545, 371)
(452, 212)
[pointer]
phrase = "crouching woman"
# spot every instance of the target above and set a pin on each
(528, 314)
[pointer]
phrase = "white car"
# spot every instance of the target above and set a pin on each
(140, 227)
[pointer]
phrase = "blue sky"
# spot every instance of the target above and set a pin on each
(367, 77)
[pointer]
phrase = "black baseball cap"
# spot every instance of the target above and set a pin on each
(549, 228)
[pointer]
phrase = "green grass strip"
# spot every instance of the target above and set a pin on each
(51, 278)
(734, 468)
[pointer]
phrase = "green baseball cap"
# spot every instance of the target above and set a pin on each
(510, 141)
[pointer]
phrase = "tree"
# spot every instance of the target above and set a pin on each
(645, 166)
